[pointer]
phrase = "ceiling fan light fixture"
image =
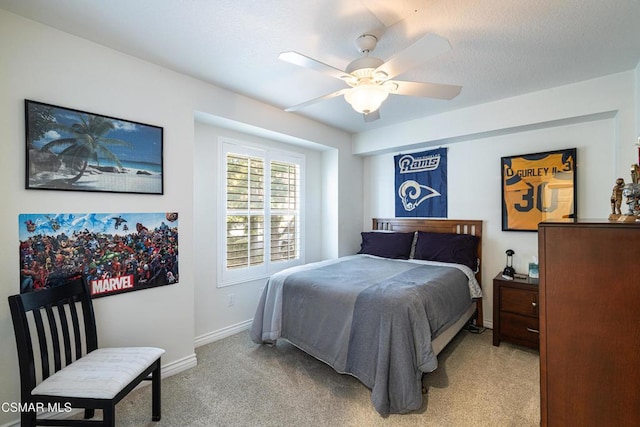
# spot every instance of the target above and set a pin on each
(366, 98)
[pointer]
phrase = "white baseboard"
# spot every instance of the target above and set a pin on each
(179, 365)
(222, 333)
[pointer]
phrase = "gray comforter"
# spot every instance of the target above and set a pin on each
(370, 317)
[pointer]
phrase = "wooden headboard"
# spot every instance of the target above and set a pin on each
(457, 226)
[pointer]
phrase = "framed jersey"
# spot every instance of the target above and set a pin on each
(538, 187)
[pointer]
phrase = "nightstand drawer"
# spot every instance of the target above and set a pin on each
(519, 327)
(515, 311)
(519, 301)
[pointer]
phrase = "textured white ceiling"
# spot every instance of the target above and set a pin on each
(501, 48)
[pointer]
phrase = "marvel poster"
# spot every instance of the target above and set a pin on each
(114, 252)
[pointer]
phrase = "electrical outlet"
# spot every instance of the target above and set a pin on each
(231, 299)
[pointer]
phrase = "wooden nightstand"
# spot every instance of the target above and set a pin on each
(515, 311)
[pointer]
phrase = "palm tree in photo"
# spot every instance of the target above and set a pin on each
(41, 119)
(88, 142)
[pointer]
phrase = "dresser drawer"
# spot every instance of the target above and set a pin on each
(520, 327)
(519, 301)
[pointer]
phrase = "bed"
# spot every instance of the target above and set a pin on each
(384, 314)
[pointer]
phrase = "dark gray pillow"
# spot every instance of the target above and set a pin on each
(448, 247)
(387, 245)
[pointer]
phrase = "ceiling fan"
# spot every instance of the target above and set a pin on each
(369, 78)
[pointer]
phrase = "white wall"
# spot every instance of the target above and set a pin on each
(214, 318)
(598, 117)
(43, 64)
(53, 67)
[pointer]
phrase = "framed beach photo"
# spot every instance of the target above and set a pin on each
(74, 150)
(538, 187)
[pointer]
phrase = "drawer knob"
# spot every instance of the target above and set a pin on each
(535, 331)
(534, 304)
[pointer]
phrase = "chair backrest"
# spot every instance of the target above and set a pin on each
(63, 334)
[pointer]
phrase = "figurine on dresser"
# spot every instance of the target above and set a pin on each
(631, 192)
(616, 199)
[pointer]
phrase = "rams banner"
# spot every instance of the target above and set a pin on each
(538, 187)
(421, 184)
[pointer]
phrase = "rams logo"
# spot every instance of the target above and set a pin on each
(411, 194)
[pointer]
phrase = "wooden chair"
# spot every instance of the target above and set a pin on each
(61, 366)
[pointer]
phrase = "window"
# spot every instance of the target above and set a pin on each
(261, 211)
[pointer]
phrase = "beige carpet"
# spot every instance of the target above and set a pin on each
(238, 383)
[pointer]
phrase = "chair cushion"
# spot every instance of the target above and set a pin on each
(101, 374)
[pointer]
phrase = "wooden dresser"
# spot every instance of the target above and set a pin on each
(589, 320)
(515, 311)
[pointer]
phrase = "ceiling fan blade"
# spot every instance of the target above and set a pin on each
(429, 46)
(313, 101)
(306, 62)
(427, 90)
(373, 116)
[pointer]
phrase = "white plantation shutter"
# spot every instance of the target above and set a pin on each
(284, 202)
(261, 210)
(245, 211)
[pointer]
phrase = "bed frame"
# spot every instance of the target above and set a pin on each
(457, 226)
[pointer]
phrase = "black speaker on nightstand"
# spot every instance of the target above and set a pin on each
(509, 271)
